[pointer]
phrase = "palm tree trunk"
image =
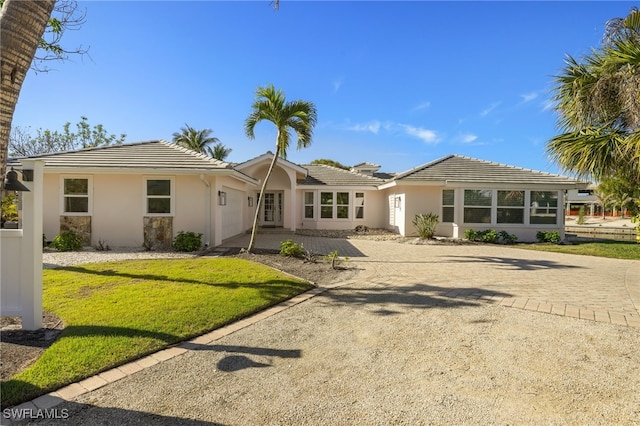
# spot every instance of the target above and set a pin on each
(254, 230)
(22, 24)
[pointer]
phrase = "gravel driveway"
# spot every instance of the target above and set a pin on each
(406, 350)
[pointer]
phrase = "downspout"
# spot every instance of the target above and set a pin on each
(207, 212)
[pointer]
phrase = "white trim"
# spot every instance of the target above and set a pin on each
(89, 195)
(172, 196)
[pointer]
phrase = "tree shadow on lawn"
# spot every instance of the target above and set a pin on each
(421, 296)
(513, 263)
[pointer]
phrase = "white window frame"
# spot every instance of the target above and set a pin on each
(499, 206)
(356, 205)
(490, 207)
(89, 195)
(312, 205)
(171, 196)
(452, 206)
(533, 208)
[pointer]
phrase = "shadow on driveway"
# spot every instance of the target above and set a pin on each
(512, 263)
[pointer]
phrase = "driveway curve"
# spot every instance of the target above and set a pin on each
(422, 335)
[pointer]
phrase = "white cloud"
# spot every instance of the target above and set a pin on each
(427, 136)
(372, 127)
(468, 138)
(489, 109)
(337, 84)
(548, 105)
(528, 97)
(423, 105)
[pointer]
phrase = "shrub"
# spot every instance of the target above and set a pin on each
(291, 249)
(507, 238)
(489, 236)
(67, 241)
(187, 241)
(548, 236)
(580, 216)
(335, 259)
(425, 224)
(471, 234)
(10, 207)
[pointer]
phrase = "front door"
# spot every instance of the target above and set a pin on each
(272, 209)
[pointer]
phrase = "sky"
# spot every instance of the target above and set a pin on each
(398, 84)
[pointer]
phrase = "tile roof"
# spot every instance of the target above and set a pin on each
(157, 154)
(321, 174)
(456, 168)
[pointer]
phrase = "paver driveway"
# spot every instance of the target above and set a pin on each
(423, 335)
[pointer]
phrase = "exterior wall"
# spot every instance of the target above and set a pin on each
(374, 212)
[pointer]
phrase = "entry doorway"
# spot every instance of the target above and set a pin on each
(271, 214)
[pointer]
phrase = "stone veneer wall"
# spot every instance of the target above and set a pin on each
(79, 224)
(158, 232)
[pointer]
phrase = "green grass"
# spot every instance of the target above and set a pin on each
(613, 249)
(119, 311)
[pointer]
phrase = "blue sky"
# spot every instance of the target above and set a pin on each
(395, 83)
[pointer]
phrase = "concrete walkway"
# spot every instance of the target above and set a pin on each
(588, 288)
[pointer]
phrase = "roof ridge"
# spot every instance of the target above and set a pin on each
(90, 148)
(345, 171)
(195, 153)
(423, 166)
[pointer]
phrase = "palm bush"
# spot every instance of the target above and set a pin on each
(425, 224)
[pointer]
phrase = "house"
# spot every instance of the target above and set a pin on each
(145, 193)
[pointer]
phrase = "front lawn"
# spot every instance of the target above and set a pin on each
(613, 249)
(119, 311)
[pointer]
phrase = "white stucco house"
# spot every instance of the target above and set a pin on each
(145, 193)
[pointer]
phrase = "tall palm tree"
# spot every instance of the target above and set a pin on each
(195, 140)
(599, 107)
(300, 116)
(220, 152)
(22, 24)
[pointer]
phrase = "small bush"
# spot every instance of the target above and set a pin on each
(187, 241)
(488, 236)
(67, 241)
(580, 216)
(471, 234)
(425, 224)
(507, 238)
(290, 248)
(548, 237)
(335, 259)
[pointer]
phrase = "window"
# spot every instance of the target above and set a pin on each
(544, 207)
(158, 193)
(342, 205)
(308, 205)
(333, 205)
(76, 195)
(510, 207)
(477, 205)
(448, 199)
(359, 205)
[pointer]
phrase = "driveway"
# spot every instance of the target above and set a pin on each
(423, 335)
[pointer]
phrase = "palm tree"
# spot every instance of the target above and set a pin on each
(219, 152)
(195, 140)
(22, 24)
(301, 116)
(599, 107)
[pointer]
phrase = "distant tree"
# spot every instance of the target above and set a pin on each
(622, 193)
(599, 107)
(220, 152)
(195, 140)
(300, 116)
(331, 163)
(604, 199)
(21, 143)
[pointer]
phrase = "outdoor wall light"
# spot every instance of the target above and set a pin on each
(222, 198)
(11, 183)
(250, 201)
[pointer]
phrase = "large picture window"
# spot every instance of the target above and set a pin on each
(544, 207)
(342, 205)
(510, 207)
(333, 205)
(448, 200)
(477, 205)
(76, 195)
(159, 196)
(326, 205)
